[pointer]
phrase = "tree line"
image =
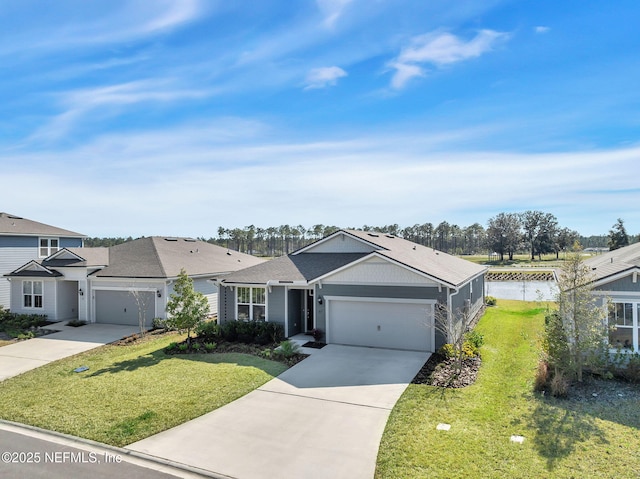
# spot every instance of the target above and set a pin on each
(506, 234)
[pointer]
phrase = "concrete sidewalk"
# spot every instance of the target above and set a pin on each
(23, 356)
(322, 418)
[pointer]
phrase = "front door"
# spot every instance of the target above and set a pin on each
(308, 310)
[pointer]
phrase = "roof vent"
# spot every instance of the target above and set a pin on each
(390, 236)
(229, 252)
(414, 247)
(190, 240)
(375, 235)
(171, 239)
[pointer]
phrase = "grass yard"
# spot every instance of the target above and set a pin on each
(563, 439)
(130, 392)
(4, 342)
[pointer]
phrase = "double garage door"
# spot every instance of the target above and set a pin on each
(380, 323)
(121, 307)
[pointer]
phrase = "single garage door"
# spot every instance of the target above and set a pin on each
(120, 307)
(381, 324)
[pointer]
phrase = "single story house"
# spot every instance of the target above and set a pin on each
(616, 278)
(115, 284)
(22, 240)
(359, 288)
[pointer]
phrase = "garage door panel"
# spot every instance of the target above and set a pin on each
(383, 324)
(120, 307)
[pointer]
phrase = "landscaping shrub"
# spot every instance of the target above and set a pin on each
(210, 346)
(20, 324)
(159, 323)
(475, 339)
(490, 301)
(208, 330)
(287, 349)
(632, 370)
(229, 331)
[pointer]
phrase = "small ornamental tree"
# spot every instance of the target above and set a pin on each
(186, 307)
(454, 325)
(580, 321)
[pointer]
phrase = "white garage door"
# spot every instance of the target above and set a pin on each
(380, 323)
(120, 307)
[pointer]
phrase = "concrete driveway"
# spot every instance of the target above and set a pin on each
(23, 356)
(322, 418)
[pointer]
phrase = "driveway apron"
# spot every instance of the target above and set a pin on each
(322, 418)
(23, 356)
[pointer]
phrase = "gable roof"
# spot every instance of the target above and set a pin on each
(615, 262)
(441, 266)
(34, 269)
(78, 257)
(302, 267)
(163, 257)
(306, 265)
(12, 225)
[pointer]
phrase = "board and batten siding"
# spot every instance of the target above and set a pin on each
(625, 283)
(16, 251)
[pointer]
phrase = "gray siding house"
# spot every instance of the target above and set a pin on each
(112, 285)
(23, 240)
(616, 278)
(359, 288)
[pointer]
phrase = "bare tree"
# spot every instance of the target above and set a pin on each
(454, 325)
(143, 299)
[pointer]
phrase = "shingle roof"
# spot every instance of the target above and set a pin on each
(98, 256)
(450, 269)
(614, 262)
(159, 257)
(307, 266)
(16, 226)
(302, 267)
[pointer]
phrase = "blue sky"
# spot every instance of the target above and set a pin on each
(176, 117)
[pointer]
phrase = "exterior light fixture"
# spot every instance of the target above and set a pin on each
(80, 292)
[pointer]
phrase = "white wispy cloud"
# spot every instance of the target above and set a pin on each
(438, 49)
(541, 29)
(100, 102)
(324, 77)
(332, 10)
(236, 165)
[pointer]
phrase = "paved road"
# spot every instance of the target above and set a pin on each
(28, 454)
(322, 418)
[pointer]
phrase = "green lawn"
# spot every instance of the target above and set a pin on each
(563, 439)
(130, 392)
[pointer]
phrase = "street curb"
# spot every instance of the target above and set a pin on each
(141, 459)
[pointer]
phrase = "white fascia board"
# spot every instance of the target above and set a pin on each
(331, 236)
(616, 276)
(385, 258)
(38, 267)
(60, 252)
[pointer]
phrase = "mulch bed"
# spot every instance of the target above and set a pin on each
(440, 371)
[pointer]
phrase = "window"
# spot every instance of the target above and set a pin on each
(32, 294)
(48, 246)
(251, 304)
(623, 318)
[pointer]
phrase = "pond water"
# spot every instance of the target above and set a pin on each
(522, 290)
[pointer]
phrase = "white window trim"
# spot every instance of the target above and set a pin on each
(33, 294)
(635, 325)
(49, 248)
(251, 303)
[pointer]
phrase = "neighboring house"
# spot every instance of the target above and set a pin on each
(112, 285)
(616, 277)
(359, 288)
(23, 240)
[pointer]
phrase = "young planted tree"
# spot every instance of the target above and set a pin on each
(186, 307)
(143, 299)
(580, 321)
(454, 325)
